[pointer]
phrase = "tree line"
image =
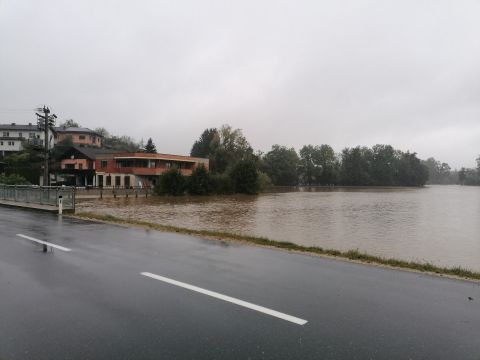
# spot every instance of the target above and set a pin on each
(470, 176)
(236, 167)
(441, 173)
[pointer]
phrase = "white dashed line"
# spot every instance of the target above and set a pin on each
(44, 242)
(261, 309)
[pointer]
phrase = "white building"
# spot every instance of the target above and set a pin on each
(13, 136)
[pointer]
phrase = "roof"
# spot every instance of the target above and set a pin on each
(81, 130)
(19, 127)
(159, 157)
(89, 152)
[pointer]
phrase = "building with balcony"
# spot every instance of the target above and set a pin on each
(89, 166)
(13, 137)
(140, 169)
(77, 166)
(79, 136)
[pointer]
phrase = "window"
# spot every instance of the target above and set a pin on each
(127, 181)
(81, 137)
(1, 143)
(108, 181)
(20, 134)
(80, 166)
(103, 164)
(117, 181)
(31, 135)
(6, 134)
(70, 166)
(11, 143)
(168, 165)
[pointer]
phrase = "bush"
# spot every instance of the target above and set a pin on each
(199, 183)
(264, 181)
(221, 184)
(171, 182)
(13, 179)
(244, 177)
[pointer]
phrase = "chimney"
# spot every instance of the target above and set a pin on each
(13, 123)
(29, 124)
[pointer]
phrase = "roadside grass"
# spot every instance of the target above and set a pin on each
(353, 255)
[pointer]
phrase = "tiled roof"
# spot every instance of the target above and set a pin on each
(81, 130)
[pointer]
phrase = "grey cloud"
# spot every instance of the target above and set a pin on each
(289, 72)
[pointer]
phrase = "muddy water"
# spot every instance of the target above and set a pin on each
(437, 224)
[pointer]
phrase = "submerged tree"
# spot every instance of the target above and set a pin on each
(281, 165)
(171, 182)
(244, 177)
(199, 183)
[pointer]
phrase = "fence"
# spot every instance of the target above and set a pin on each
(42, 195)
(107, 192)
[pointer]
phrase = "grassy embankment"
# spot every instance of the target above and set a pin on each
(353, 255)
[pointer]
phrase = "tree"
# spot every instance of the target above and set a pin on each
(411, 171)
(383, 165)
(121, 143)
(150, 147)
(244, 177)
(318, 165)
(202, 147)
(70, 123)
(26, 163)
(224, 148)
(13, 179)
(102, 131)
(171, 182)
(199, 183)
(356, 166)
(439, 173)
(281, 165)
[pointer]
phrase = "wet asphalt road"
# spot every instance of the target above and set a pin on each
(92, 302)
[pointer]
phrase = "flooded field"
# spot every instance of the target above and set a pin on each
(437, 224)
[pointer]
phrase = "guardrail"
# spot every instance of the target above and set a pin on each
(42, 195)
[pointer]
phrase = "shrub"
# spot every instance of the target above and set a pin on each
(264, 181)
(221, 184)
(13, 179)
(199, 183)
(171, 182)
(244, 177)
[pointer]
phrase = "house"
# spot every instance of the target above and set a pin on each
(79, 136)
(13, 137)
(77, 166)
(90, 166)
(140, 169)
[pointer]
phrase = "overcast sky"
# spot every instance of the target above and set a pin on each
(345, 73)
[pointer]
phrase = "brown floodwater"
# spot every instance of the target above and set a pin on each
(436, 224)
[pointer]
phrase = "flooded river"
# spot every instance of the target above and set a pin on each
(437, 224)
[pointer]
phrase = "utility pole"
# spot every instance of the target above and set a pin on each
(44, 122)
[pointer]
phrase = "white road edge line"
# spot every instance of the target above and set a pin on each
(44, 242)
(246, 304)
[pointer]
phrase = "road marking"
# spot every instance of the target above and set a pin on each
(261, 309)
(44, 242)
